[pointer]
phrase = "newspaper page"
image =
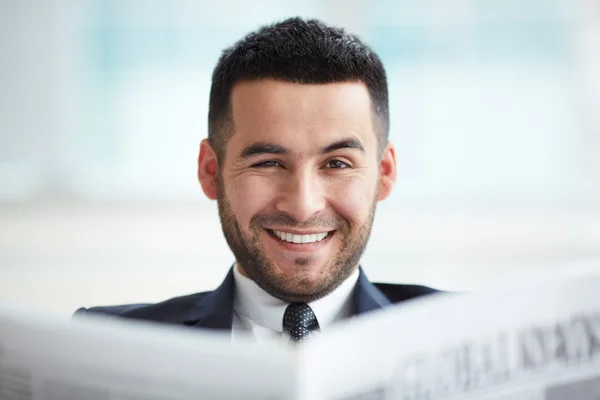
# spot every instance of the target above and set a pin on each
(537, 342)
(95, 358)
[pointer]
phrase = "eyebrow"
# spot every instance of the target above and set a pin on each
(262, 148)
(270, 148)
(348, 143)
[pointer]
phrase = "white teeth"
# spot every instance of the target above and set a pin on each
(308, 238)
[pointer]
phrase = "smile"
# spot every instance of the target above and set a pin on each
(300, 239)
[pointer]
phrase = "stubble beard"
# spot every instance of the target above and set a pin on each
(251, 256)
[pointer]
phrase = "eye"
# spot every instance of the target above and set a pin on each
(336, 164)
(267, 164)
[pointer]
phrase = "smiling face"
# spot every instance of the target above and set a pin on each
(298, 184)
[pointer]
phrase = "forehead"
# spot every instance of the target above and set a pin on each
(302, 114)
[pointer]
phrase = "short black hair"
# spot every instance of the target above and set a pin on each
(297, 51)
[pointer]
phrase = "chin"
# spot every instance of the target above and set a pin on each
(302, 268)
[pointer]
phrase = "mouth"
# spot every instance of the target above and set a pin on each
(298, 241)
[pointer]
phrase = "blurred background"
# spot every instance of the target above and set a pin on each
(494, 114)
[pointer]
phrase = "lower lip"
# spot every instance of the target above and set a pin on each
(300, 247)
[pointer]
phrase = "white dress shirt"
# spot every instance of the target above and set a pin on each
(258, 314)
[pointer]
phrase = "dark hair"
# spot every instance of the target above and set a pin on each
(298, 51)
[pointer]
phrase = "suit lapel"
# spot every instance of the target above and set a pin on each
(367, 297)
(215, 310)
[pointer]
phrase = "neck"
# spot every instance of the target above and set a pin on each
(241, 269)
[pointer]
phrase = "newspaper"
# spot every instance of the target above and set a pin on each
(99, 358)
(535, 342)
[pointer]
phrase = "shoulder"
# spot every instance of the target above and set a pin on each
(397, 293)
(175, 310)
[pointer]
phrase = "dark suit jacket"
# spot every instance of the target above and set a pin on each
(214, 310)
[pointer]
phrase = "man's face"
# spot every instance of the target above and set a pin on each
(298, 185)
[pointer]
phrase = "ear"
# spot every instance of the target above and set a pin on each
(208, 168)
(387, 171)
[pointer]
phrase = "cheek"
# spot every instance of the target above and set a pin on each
(249, 196)
(352, 198)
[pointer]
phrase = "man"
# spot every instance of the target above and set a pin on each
(297, 157)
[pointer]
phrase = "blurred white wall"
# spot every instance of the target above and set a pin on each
(103, 105)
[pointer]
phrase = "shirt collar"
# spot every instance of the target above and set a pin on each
(252, 302)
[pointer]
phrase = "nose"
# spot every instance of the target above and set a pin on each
(302, 196)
